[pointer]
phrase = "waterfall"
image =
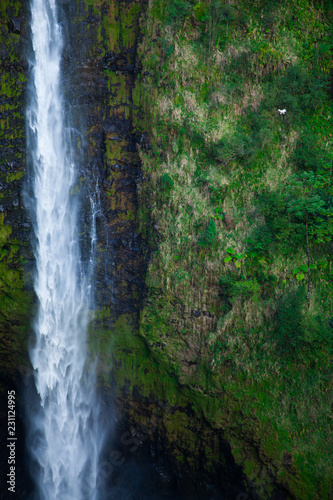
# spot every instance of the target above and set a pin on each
(65, 435)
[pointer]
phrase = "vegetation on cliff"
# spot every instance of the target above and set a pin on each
(239, 197)
(15, 299)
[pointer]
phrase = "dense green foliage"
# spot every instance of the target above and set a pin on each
(245, 227)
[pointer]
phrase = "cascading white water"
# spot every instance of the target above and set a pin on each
(65, 434)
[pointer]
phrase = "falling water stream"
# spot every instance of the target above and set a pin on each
(66, 438)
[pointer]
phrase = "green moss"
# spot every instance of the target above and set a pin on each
(15, 304)
(12, 6)
(126, 355)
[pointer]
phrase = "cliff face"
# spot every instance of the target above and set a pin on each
(15, 228)
(100, 67)
(239, 298)
(16, 296)
(213, 278)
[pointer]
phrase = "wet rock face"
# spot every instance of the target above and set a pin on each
(100, 64)
(15, 287)
(178, 458)
(13, 70)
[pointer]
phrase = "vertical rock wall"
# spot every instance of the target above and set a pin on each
(16, 295)
(100, 64)
(15, 290)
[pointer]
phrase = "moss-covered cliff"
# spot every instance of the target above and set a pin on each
(239, 198)
(15, 298)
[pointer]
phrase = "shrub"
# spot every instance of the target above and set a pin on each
(232, 289)
(288, 328)
(226, 283)
(317, 331)
(177, 11)
(208, 234)
(201, 12)
(221, 19)
(236, 146)
(167, 185)
(234, 257)
(308, 155)
(245, 289)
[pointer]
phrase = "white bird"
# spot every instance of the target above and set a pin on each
(282, 111)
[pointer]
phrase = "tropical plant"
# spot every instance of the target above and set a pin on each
(234, 257)
(301, 271)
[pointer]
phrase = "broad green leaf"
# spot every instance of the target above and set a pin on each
(238, 264)
(300, 276)
(304, 268)
(227, 259)
(239, 256)
(296, 270)
(313, 266)
(231, 251)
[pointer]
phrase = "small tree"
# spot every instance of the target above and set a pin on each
(308, 204)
